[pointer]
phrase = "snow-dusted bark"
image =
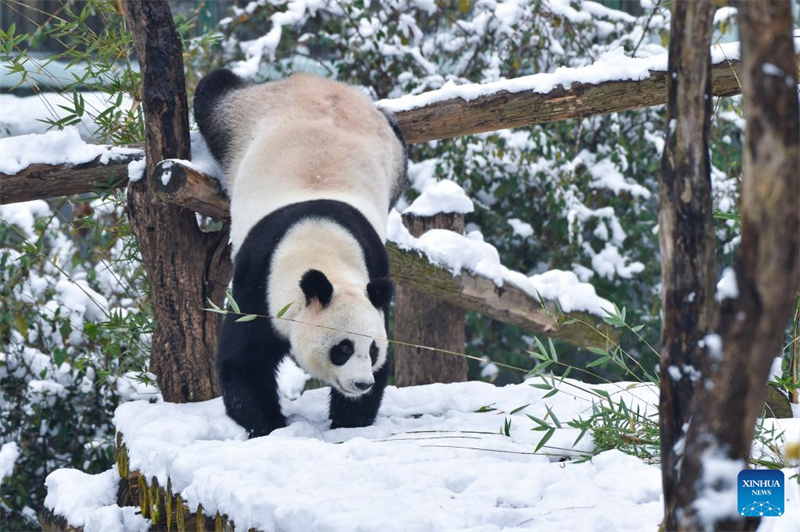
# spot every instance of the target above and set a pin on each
(185, 266)
(686, 230)
(750, 322)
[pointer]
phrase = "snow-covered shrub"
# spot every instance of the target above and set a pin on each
(74, 334)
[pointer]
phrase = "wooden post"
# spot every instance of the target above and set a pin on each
(185, 267)
(750, 323)
(425, 320)
(685, 230)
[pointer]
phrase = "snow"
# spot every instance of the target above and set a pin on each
(24, 214)
(255, 49)
(307, 477)
(130, 388)
(33, 144)
(724, 13)
(26, 114)
(614, 65)
(455, 252)
(609, 262)
(136, 170)
(776, 369)
(291, 379)
(605, 175)
(771, 70)
(443, 196)
(90, 501)
(727, 287)
(520, 228)
(166, 175)
(714, 344)
(202, 160)
(717, 493)
(9, 453)
(54, 147)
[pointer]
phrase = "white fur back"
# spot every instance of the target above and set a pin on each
(306, 138)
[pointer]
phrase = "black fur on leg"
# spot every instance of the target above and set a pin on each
(360, 411)
(247, 363)
(206, 100)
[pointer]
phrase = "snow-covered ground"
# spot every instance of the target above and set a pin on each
(436, 459)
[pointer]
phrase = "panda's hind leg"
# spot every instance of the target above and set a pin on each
(207, 98)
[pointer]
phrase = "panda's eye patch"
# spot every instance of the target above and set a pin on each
(373, 353)
(341, 352)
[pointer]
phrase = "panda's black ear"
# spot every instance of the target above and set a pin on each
(380, 292)
(316, 286)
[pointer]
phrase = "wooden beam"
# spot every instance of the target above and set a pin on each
(480, 294)
(507, 304)
(439, 120)
(41, 181)
(504, 110)
(190, 188)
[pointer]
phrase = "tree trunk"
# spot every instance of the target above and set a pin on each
(750, 327)
(185, 267)
(424, 320)
(686, 229)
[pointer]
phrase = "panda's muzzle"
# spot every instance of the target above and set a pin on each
(363, 386)
(356, 388)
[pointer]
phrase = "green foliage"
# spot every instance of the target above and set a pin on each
(100, 62)
(75, 339)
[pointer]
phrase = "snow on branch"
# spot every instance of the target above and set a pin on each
(60, 163)
(614, 83)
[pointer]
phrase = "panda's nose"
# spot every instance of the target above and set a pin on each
(362, 386)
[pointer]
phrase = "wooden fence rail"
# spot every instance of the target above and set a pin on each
(438, 120)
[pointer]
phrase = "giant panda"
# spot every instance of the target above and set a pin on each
(311, 168)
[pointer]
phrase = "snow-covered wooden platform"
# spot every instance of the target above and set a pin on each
(437, 458)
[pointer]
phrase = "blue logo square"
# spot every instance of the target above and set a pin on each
(761, 493)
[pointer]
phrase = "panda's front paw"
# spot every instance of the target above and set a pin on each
(268, 425)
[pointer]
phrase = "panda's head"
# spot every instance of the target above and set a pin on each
(340, 333)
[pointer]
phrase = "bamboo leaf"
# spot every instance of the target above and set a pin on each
(282, 311)
(519, 409)
(233, 304)
(541, 422)
(552, 415)
(597, 362)
(545, 439)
